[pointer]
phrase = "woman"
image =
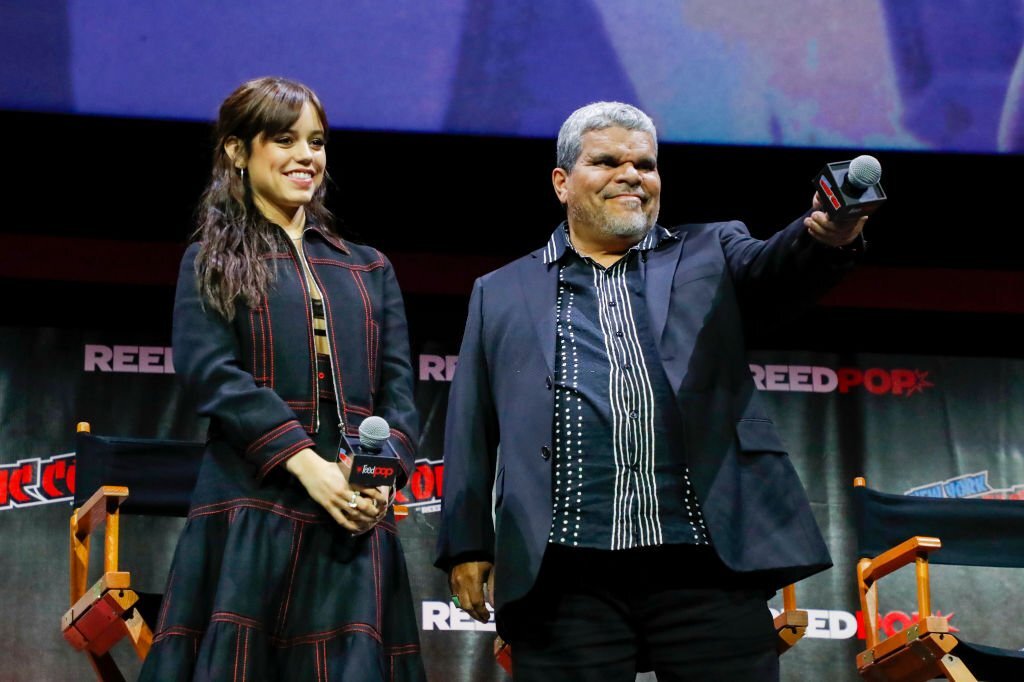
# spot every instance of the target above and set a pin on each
(285, 335)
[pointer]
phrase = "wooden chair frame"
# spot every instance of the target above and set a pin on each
(791, 624)
(105, 613)
(921, 651)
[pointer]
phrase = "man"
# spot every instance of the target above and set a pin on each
(644, 507)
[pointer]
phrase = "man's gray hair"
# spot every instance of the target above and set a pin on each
(598, 116)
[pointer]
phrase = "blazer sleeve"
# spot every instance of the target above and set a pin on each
(394, 399)
(207, 360)
(778, 277)
(470, 451)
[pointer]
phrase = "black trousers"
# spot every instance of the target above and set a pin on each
(602, 616)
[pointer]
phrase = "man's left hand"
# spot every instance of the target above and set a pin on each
(467, 581)
(830, 232)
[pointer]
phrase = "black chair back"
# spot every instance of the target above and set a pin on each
(160, 474)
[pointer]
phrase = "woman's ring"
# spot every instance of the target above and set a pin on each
(355, 496)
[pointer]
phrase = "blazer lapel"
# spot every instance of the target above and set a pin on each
(661, 268)
(539, 285)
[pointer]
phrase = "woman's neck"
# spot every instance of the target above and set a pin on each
(292, 224)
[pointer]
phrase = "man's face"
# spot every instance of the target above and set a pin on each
(614, 189)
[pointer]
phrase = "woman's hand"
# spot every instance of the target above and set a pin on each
(354, 509)
(381, 496)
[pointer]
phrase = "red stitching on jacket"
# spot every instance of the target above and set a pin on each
(238, 646)
(228, 506)
(162, 620)
(316, 653)
(404, 438)
(235, 618)
(408, 444)
(375, 558)
(374, 356)
(178, 631)
(258, 373)
(245, 655)
(299, 640)
(267, 338)
(367, 322)
(284, 454)
(291, 577)
(402, 649)
(309, 332)
(375, 265)
(269, 436)
(255, 503)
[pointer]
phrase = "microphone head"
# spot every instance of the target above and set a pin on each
(864, 172)
(373, 432)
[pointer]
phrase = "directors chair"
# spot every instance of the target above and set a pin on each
(161, 475)
(894, 531)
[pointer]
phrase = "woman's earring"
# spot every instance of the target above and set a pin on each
(241, 172)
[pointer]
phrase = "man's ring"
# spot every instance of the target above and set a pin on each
(455, 600)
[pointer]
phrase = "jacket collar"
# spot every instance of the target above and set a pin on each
(331, 238)
(559, 244)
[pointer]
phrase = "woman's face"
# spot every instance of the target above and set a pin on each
(286, 169)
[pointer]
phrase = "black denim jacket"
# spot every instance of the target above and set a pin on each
(255, 376)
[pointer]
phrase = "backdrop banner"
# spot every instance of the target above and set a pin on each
(923, 425)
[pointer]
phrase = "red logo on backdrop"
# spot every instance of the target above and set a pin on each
(811, 379)
(425, 487)
(29, 482)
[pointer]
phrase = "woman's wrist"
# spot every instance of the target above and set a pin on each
(302, 462)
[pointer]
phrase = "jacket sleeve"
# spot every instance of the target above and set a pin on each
(207, 359)
(779, 277)
(470, 451)
(394, 399)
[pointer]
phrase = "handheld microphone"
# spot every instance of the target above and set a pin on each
(851, 189)
(373, 433)
(369, 467)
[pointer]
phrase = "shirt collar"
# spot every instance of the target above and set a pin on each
(558, 244)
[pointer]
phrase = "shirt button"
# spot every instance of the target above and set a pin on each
(618, 332)
(627, 366)
(545, 452)
(634, 414)
(548, 382)
(611, 304)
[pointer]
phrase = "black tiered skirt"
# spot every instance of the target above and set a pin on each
(266, 586)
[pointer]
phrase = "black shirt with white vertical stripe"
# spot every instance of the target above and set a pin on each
(620, 476)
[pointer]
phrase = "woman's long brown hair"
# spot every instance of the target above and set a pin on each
(233, 234)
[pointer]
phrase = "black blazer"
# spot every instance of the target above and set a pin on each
(700, 292)
(255, 376)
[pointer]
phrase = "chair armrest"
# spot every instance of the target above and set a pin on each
(901, 555)
(101, 508)
(791, 623)
(93, 513)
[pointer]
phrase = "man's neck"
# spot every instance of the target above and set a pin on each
(603, 249)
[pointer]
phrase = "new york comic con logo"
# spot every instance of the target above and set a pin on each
(974, 486)
(426, 484)
(31, 482)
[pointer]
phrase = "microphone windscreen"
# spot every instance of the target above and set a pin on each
(864, 172)
(373, 432)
